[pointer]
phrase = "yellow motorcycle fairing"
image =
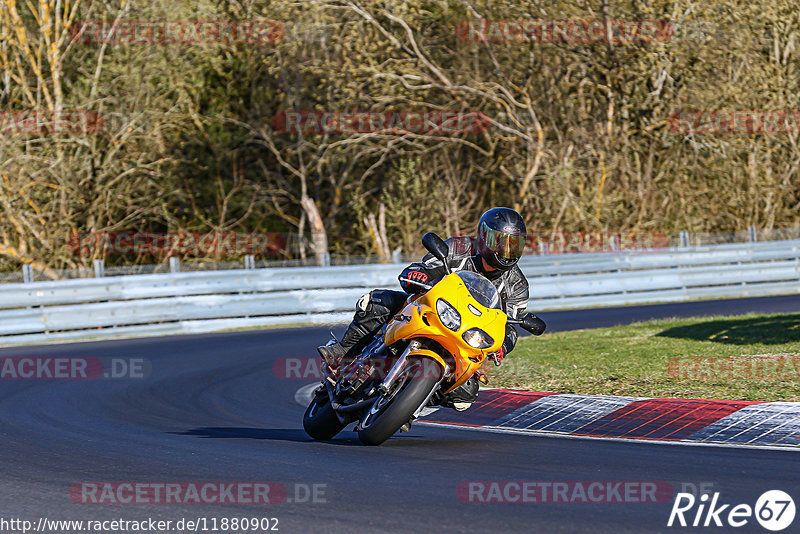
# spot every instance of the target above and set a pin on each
(419, 319)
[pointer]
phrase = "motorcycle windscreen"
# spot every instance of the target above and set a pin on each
(481, 289)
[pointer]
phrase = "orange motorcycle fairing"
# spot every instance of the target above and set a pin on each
(420, 319)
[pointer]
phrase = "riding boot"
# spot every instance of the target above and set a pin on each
(351, 344)
(463, 396)
(373, 310)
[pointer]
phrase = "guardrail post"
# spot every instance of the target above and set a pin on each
(174, 264)
(615, 243)
(544, 248)
(99, 269)
(249, 261)
(751, 231)
(684, 238)
(396, 256)
(27, 273)
(326, 259)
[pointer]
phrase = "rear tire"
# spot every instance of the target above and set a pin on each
(320, 421)
(382, 421)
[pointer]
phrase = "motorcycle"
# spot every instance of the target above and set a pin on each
(431, 347)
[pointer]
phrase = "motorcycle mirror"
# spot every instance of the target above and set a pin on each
(531, 323)
(436, 246)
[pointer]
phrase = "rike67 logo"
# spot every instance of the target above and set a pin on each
(774, 510)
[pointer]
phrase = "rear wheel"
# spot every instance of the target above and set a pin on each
(393, 410)
(320, 421)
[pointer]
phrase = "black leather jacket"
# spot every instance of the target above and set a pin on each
(511, 284)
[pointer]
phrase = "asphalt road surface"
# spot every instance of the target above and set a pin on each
(211, 408)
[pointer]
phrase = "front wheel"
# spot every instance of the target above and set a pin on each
(320, 421)
(393, 410)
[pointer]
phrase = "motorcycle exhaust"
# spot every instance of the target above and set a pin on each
(344, 408)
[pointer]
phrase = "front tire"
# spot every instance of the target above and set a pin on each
(390, 412)
(320, 421)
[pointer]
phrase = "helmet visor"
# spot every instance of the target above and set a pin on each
(507, 247)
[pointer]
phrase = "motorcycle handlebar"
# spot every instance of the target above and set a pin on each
(529, 321)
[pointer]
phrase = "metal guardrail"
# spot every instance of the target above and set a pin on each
(157, 304)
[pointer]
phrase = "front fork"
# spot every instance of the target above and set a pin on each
(384, 388)
(394, 373)
(330, 385)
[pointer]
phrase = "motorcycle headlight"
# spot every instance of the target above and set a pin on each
(475, 337)
(448, 314)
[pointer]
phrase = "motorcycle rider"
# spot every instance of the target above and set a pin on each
(493, 254)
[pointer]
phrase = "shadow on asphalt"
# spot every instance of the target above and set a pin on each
(232, 432)
(272, 434)
(345, 438)
(764, 330)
